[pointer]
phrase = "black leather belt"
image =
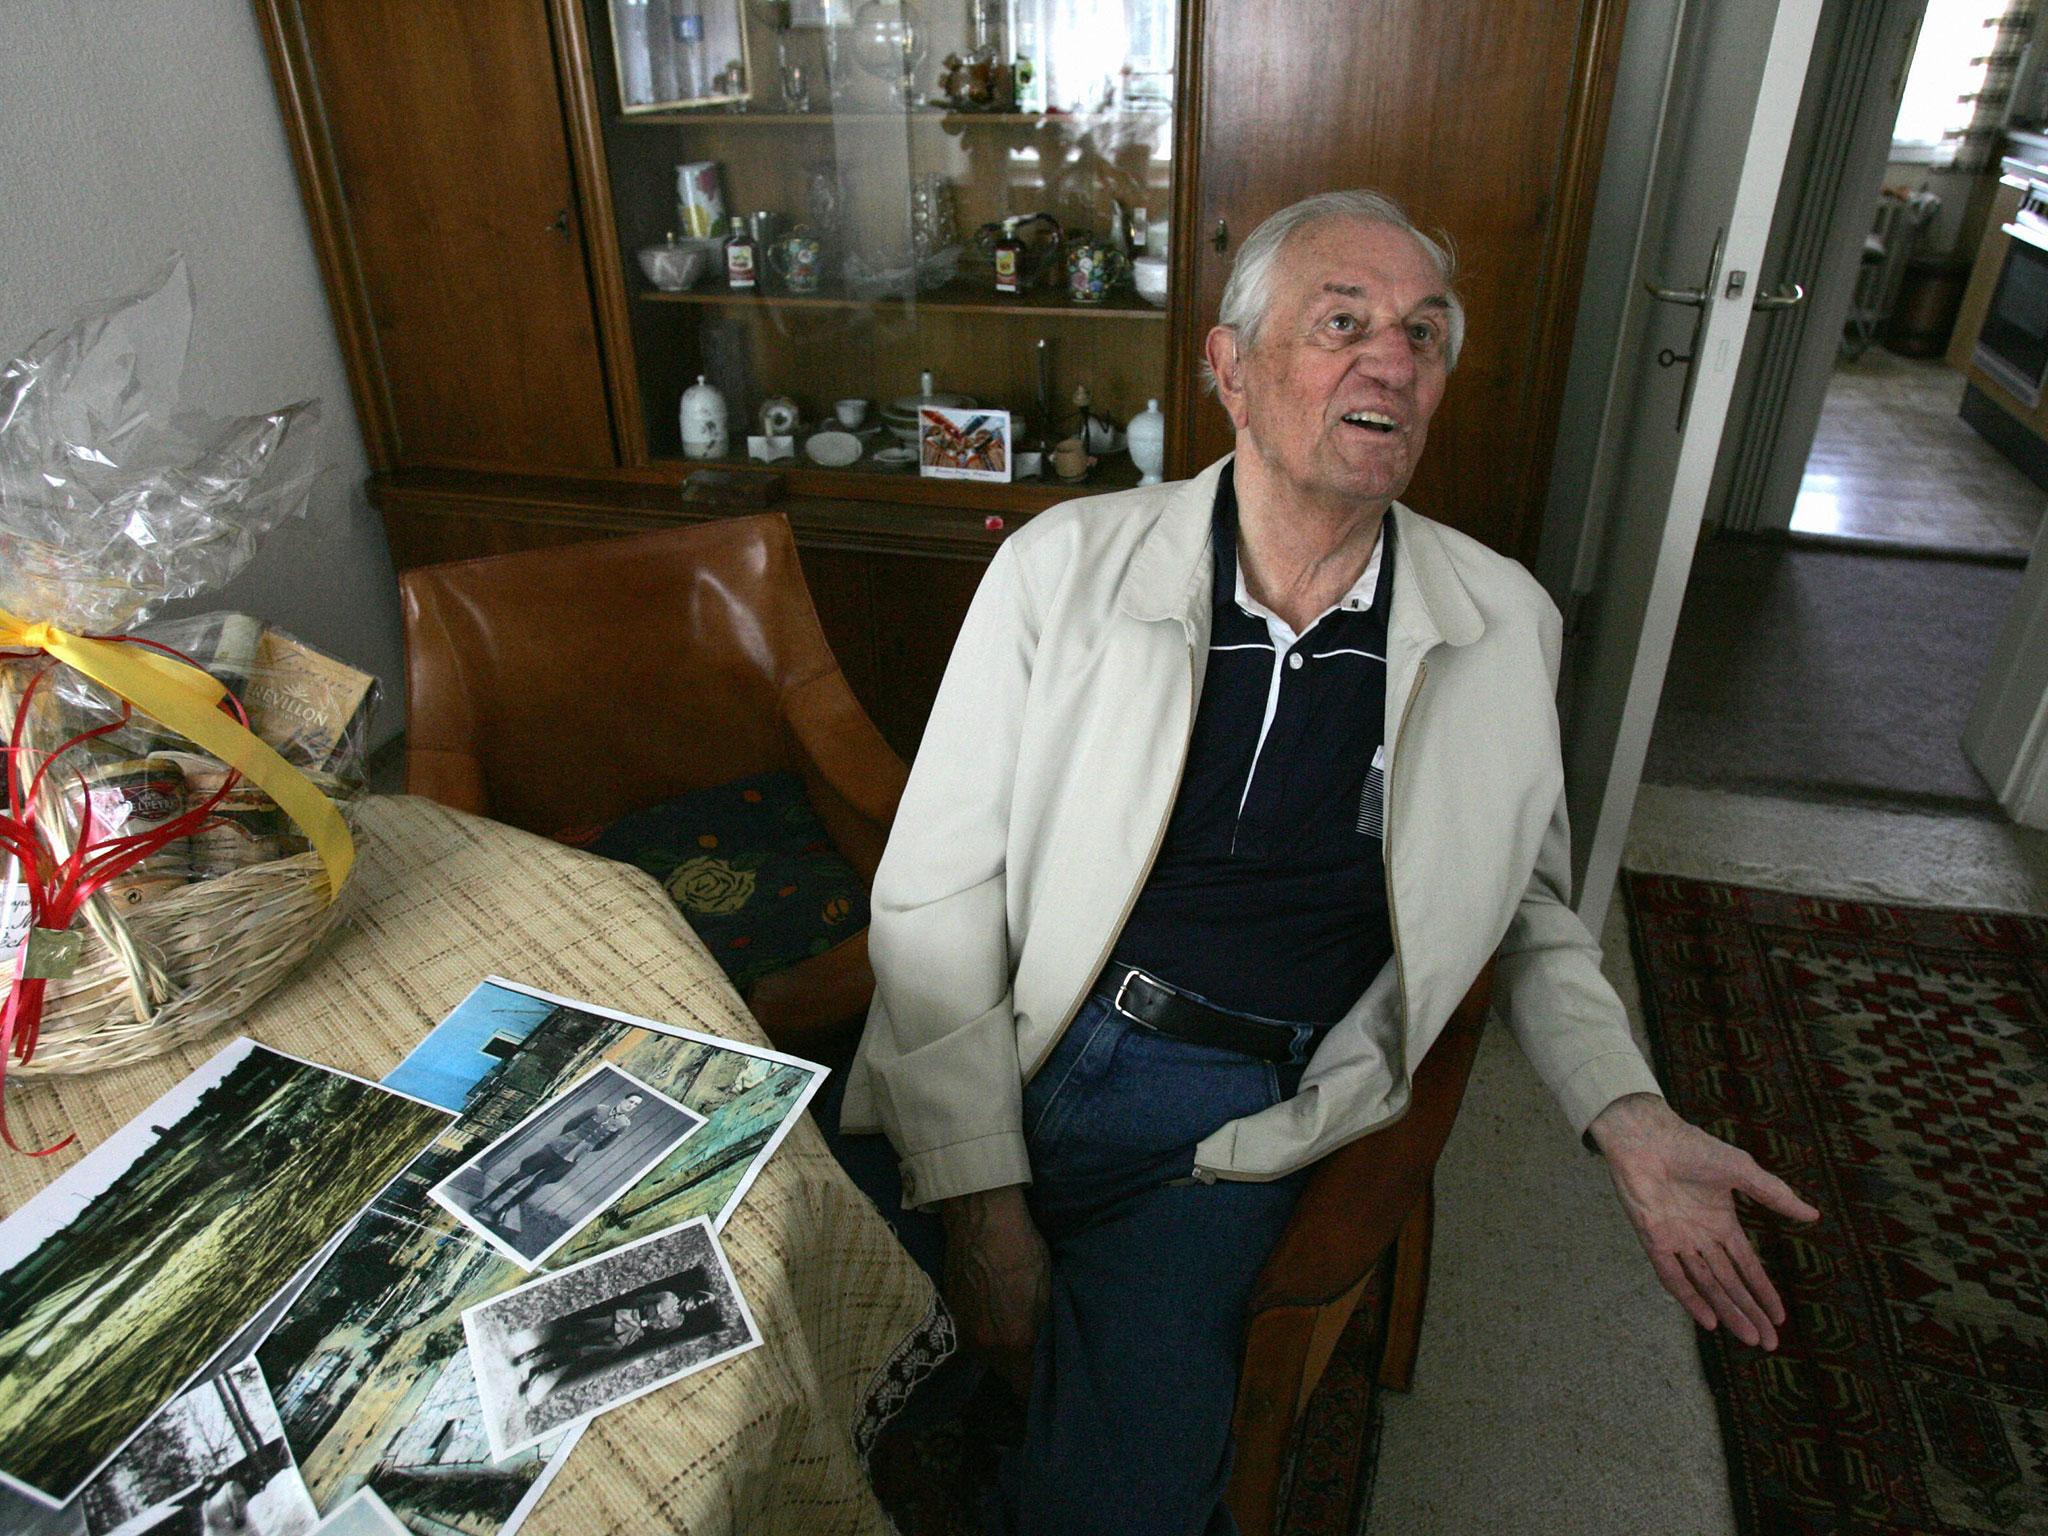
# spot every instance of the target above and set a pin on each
(1150, 1002)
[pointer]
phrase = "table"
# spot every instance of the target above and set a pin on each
(769, 1441)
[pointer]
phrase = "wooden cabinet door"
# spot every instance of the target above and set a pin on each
(1481, 117)
(436, 164)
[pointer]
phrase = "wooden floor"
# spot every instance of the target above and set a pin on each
(1893, 461)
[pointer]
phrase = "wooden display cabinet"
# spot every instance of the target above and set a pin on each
(478, 192)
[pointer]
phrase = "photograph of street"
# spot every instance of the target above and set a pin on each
(128, 1274)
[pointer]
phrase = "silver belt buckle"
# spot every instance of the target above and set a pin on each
(1123, 987)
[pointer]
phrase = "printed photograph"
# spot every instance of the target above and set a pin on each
(483, 1032)
(126, 1276)
(370, 1366)
(588, 1338)
(214, 1461)
(963, 444)
(21, 1515)
(363, 1515)
(559, 1169)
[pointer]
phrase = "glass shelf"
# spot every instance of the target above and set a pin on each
(963, 296)
(947, 117)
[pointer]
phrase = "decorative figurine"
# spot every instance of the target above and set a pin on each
(1146, 438)
(778, 416)
(703, 421)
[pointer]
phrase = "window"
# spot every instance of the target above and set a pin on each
(1951, 62)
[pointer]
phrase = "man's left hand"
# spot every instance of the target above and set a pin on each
(1678, 1186)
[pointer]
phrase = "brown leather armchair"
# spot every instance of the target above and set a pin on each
(562, 688)
(1361, 1199)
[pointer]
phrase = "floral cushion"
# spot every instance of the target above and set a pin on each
(750, 867)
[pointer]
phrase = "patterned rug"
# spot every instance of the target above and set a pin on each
(1892, 1064)
(930, 1483)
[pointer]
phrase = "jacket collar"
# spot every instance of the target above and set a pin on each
(1170, 571)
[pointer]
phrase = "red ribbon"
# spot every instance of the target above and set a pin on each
(59, 888)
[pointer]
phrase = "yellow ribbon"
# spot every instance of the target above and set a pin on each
(187, 700)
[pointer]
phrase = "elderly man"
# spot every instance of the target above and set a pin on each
(1231, 789)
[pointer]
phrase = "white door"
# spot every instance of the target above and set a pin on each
(1734, 87)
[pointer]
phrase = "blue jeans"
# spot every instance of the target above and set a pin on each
(1128, 1426)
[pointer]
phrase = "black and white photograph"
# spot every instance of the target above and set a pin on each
(604, 1332)
(215, 1462)
(555, 1172)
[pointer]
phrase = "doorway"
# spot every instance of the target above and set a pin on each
(1836, 626)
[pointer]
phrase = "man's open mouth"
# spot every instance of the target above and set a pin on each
(1372, 420)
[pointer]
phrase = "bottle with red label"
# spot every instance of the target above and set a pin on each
(742, 257)
(1009, 253)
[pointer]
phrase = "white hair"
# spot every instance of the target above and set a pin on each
(1248, 295)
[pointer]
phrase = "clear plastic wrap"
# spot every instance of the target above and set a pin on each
(151, 888)
(112, 500)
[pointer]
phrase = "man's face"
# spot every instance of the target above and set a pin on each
(1335, 399)
(629, 1103)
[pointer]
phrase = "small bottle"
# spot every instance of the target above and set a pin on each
(1009, 259)
(742, 256)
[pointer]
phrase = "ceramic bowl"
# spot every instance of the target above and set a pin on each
(1149, 273)
(672, 268)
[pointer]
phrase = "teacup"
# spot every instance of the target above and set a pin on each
(851, 413)
(799, 260)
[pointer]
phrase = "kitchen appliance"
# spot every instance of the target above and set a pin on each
(2012, 347)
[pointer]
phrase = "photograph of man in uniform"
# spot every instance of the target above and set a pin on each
(540, 1183)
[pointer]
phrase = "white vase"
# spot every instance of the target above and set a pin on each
(1146, 438)
(703, 421)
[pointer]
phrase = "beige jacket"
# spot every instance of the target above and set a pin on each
(1041, 794)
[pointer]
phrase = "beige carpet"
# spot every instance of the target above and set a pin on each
(1558, 1388)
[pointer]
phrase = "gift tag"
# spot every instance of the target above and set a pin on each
(14, 911)
(52, 954)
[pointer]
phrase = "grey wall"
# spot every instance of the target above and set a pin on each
(130, 129)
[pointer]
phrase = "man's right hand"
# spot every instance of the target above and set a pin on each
(998, 1279)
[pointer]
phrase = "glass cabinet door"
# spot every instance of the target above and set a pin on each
(895, 238)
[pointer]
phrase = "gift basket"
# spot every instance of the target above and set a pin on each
(175, 833)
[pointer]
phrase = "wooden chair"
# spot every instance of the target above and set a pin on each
(561, 688)
(1360, 1199)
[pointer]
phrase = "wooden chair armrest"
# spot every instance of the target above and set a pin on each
(455, 779)
(804, 1008)
(836, 734)
(1359, 1196)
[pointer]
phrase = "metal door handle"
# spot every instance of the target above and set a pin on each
(1221, 239)
(1700, 301)
(560, 223)
(1779, 298)
(1694, 298)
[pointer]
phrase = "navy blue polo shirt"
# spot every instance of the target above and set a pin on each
(1268, 895)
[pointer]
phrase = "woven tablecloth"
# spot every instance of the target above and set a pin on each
(770, 1441)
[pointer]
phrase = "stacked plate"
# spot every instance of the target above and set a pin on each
(900, 414)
